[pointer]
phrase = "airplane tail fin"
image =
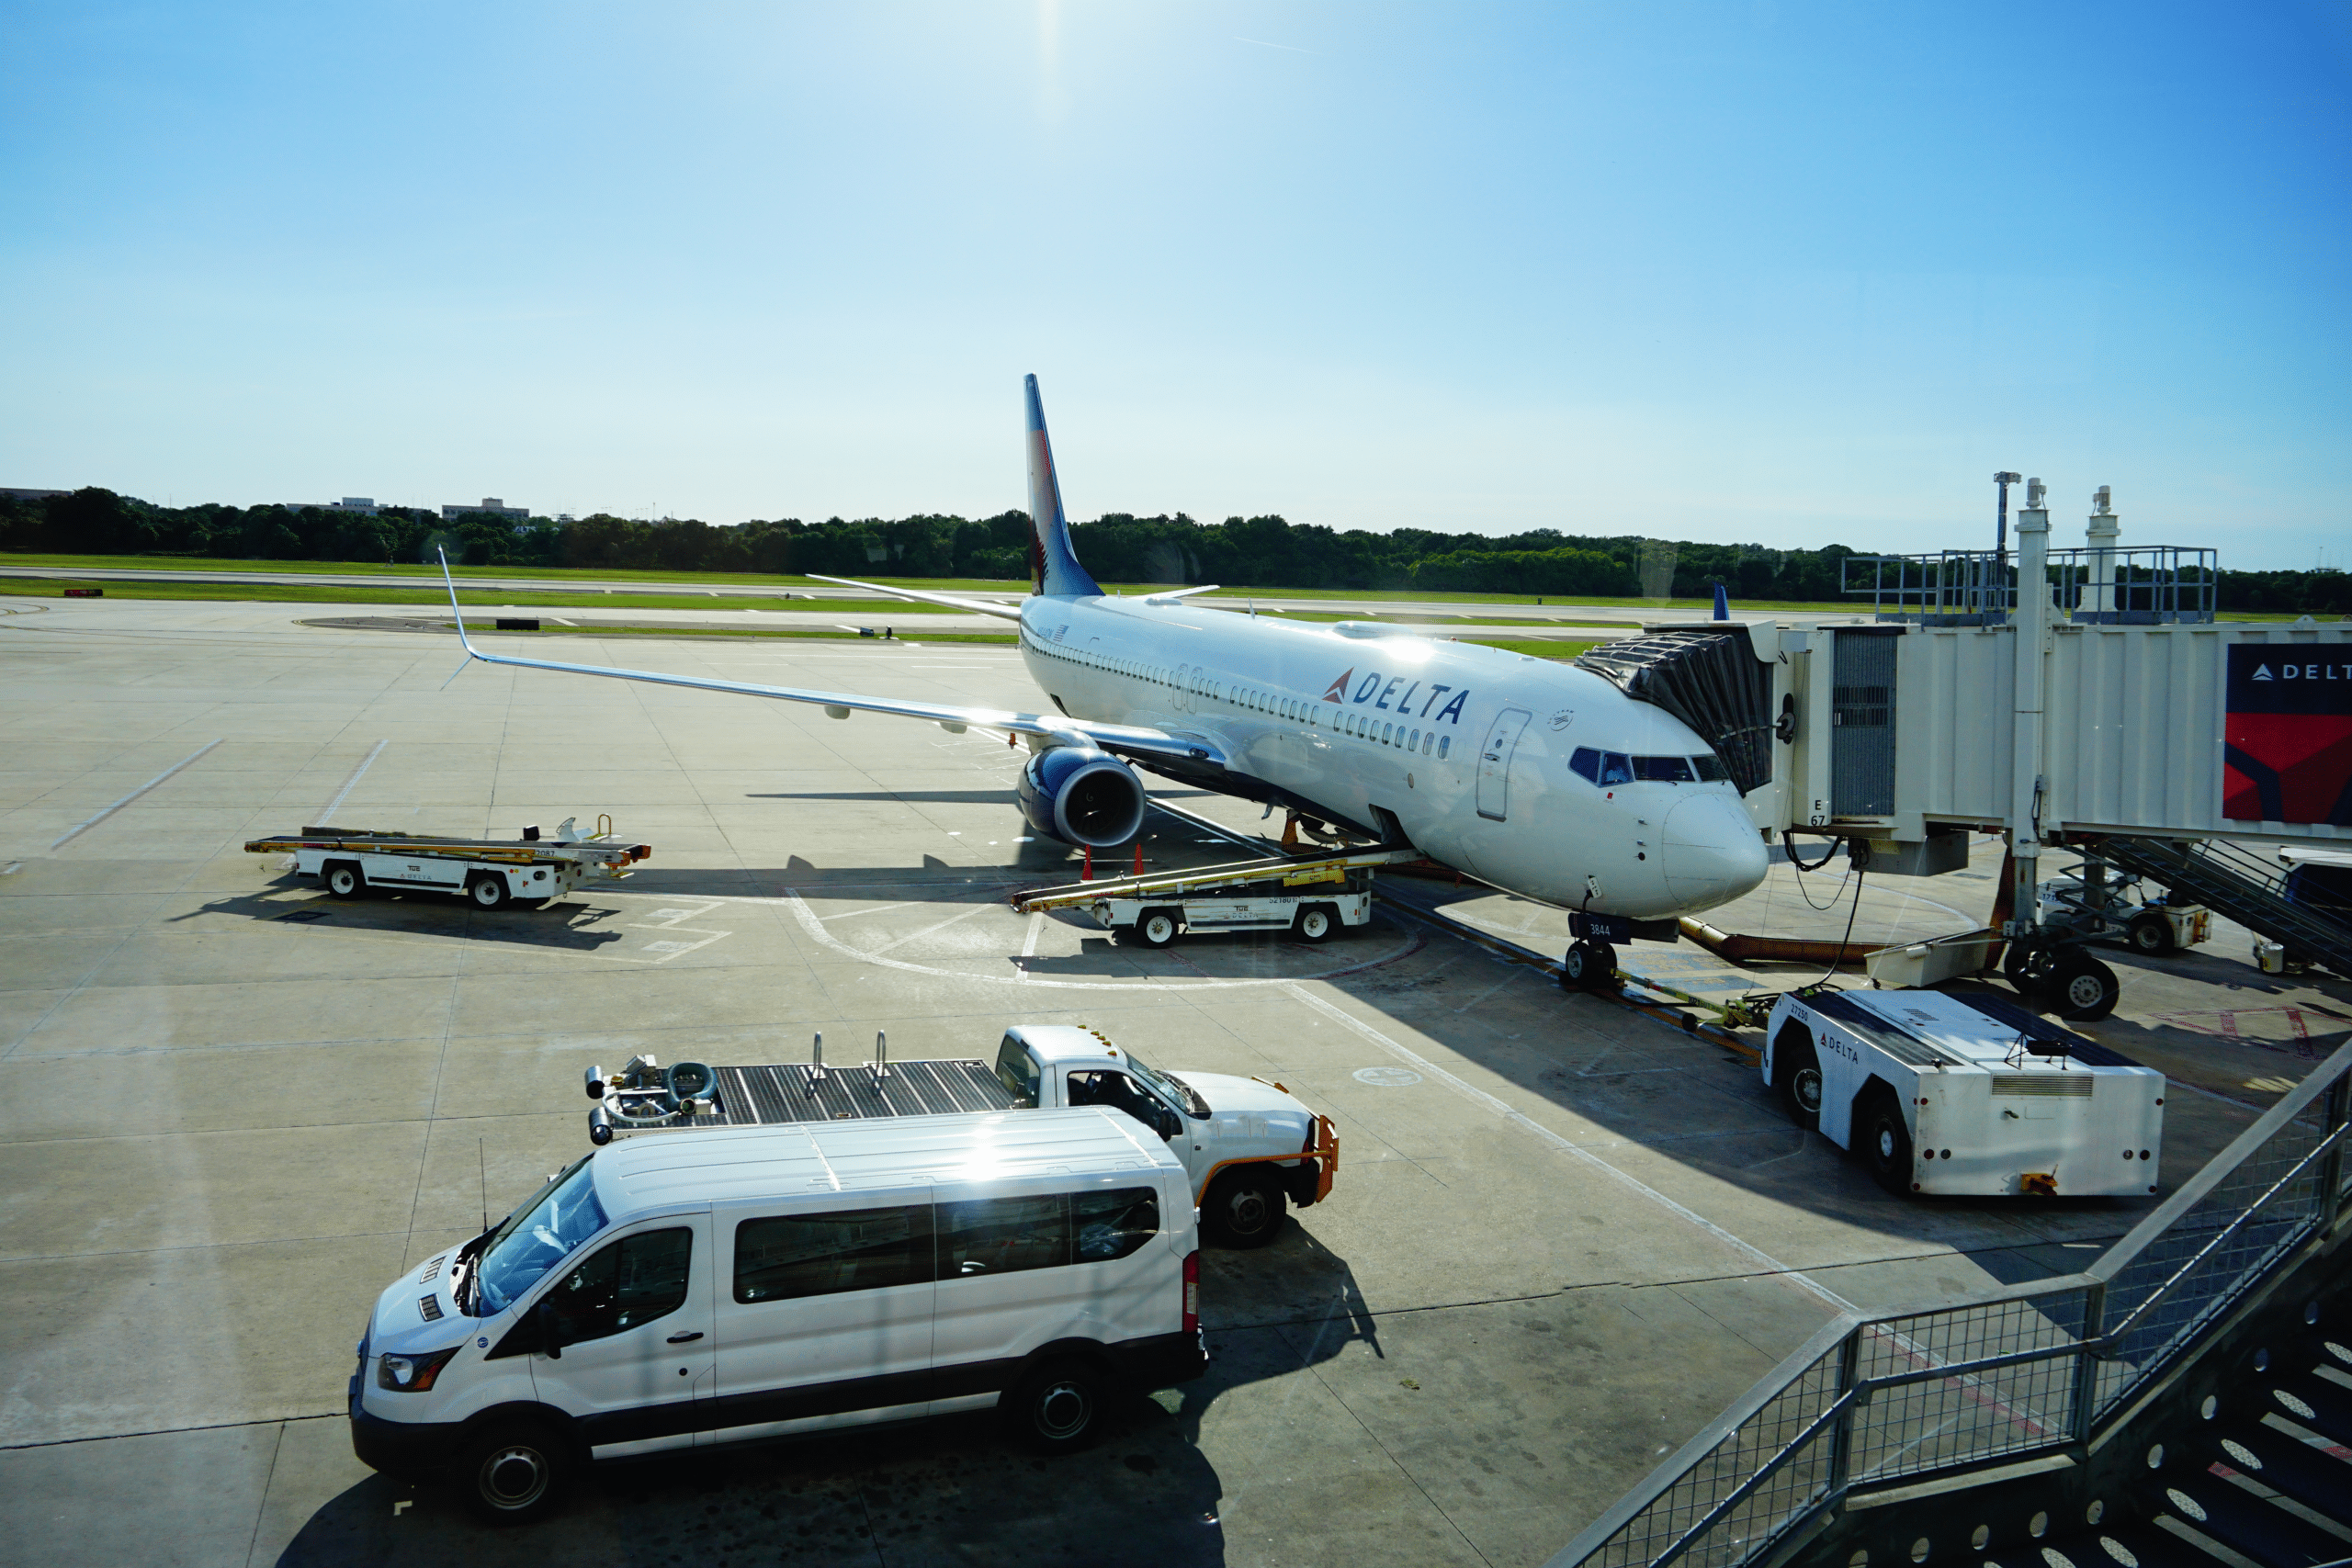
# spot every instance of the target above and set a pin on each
(1054, 571)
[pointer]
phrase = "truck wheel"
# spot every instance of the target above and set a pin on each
(1243, 1209)
(2150, 933)
(1796, 1071)
(343, 879)
(514, 1473)
(1157, 928)
(1055, 1408)
(2086, 990)
(1589, 966)
(1884, 1142)
(488, 891)
(1316, 922)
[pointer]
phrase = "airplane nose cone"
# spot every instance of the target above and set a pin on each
(1713, 852)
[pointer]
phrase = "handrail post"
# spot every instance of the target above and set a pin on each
(2084, 1412)
(1841, 1436)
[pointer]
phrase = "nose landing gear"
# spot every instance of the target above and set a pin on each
(1589, 966)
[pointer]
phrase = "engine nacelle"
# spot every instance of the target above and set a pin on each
(1081, 796)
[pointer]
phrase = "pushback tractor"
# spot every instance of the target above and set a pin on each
(1939, 1093)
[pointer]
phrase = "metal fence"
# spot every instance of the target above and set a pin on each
(2036, 1367)
(2106, 585)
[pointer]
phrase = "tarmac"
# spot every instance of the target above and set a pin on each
(1564, 1235)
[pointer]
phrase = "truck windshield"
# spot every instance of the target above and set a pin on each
(537, 1236)
(1174, 1091)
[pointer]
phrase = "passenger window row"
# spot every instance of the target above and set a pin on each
(1615, 768)
(870, 1250)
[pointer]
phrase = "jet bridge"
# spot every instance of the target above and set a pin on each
(2081, 696)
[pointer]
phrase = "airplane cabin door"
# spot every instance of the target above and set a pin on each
(1494, 763)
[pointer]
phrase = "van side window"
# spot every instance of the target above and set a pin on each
(1003, 1235)
(1017, 1073)
(631, 1283)
(824, 1255)
(1115, 1224)
(1586, 765)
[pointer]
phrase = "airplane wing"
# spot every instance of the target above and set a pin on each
(977, 606)
(1123, 740)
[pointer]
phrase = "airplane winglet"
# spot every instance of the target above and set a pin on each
(464, 641)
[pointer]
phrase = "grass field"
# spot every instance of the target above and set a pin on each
(1536, 647)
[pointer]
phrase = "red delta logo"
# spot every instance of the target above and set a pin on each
(2287, 735)
(1338, 691)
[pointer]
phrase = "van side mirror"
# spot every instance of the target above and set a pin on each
(550, 1332)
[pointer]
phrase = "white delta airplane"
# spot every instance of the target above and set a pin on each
(1542, 778)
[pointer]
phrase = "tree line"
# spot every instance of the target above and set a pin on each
(1254, 552)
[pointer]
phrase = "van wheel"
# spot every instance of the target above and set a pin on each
(1884, 1141)
(1157, 928)
(1316, 922)
(343, 879)
(1796, 1072)
(515, 1474)
(2149, 933)
(1243, 1209)
(1056, 1408)
(488, 892)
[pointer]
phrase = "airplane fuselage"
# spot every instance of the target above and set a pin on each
(1471, 753)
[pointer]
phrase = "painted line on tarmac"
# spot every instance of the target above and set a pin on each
(1764, 1261)
(81, 827)
(328, 814)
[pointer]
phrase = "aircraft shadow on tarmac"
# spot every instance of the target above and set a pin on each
(565, 926)
(952, 1489)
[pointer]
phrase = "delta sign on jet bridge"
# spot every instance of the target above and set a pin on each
(2286, 740)
(1613, 786)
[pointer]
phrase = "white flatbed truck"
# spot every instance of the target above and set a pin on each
(1246, 1144)
(488, 872)
(1314, 898)
(1937, 1093)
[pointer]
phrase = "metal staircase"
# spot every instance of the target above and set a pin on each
(2240, 885)
(2184, 1402)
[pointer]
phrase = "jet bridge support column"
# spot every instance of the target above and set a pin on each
(2030, 635)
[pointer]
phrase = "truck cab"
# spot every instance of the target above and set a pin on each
(1246, 1144)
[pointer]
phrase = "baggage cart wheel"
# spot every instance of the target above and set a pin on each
(1589, 966)
(516, 1473)
(2149, 932)
(1884, 1142)
(1796, 1071)
(2085, 989)
(1243, 1208)
(487, 891)
(1316, 922)
(1056, 1408)
(343, 879)
(1157, 928)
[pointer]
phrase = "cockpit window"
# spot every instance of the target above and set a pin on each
(1662, 770)
(1710, 771)
(1586, 765)
(1616, 768)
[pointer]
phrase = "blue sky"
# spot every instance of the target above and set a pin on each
(1769, 272)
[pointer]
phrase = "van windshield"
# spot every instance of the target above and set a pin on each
(1175, 1090)
(537, 1236)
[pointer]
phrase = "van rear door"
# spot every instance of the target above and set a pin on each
(634, 1321)
(824, 1312)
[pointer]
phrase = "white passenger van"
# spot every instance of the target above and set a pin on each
(763, 1283)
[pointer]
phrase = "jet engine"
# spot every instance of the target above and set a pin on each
(1081, 796)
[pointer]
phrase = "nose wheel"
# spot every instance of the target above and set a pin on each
(1589, 966)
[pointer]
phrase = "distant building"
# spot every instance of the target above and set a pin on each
(14, 494)
(365, 505)
(489, 503)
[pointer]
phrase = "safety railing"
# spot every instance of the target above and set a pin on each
(1962, 1384)
(2105, 585)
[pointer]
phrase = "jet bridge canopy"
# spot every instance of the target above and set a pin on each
(1711, 680)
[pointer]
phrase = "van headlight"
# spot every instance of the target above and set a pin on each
(412, 1374)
